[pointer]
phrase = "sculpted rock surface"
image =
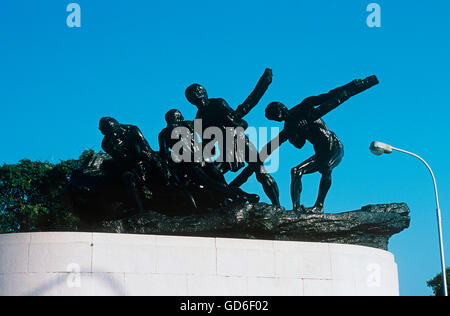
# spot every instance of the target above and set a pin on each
(371, 226)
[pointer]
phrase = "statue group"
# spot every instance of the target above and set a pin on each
(131, 177)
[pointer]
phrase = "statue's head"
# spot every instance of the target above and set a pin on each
(197, 95)
(107, 125)
(276, 111)
(174, 117)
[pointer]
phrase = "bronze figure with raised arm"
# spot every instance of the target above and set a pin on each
(217, 113)
(304, 123)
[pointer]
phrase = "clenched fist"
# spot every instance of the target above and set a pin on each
(268, 75)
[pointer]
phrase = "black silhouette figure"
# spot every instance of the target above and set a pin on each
(131, 177)
(133, 156)
(217, 113)
(130, 152)
(201, 174)
(304, 123)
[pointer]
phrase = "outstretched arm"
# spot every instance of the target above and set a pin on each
(309, 104)
(319, 106)
(256, 95)
(273, 145)
(342, 94)
(263, 155)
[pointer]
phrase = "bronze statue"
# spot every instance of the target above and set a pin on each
(218, 113)
(304, 123)
(131, 177)
(200, 174)
(131, 154)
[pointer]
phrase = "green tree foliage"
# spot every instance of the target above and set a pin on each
(30, 195)
(437, 285)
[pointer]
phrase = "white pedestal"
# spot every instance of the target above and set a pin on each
(111, 264)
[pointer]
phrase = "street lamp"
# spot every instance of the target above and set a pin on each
(379, 149)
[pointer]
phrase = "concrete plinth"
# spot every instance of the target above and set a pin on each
(113, 264)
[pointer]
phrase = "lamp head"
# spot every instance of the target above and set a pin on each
(378, 148)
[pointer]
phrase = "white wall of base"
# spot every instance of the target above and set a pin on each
(110, 264)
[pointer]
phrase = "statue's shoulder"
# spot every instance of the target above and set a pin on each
(219, 102)
(301, 110)
(128, 127)
(320, 123)
(164, 132)
(219, 107)
(133, 131)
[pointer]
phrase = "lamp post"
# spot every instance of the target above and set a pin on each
(379, 149)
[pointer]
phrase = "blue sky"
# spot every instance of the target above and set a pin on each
(133, 60)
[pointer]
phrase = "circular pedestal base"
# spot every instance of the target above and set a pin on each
(111, 264)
